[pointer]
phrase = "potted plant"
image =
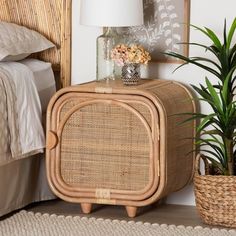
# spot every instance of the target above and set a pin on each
(216, 190)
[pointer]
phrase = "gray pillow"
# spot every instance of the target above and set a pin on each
(17, 42)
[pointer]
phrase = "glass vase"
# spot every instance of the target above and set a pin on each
(105, 65)
(130, 74)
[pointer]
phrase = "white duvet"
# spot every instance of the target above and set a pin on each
(28, 110)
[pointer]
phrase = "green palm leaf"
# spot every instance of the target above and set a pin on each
(220, 154)
(214, 131)
(210, 34)
(213, 37)
(215, 155)
(207, 48)
(206, 60)
(231, 33)
(214, 96)
(217, 130)
(181, 57)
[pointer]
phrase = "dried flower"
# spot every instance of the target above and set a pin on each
(124, 54)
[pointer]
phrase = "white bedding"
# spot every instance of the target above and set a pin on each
(28, 108)
(44, 79)
(24, 181)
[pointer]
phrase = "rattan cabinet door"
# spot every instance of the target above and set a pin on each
(104, 147)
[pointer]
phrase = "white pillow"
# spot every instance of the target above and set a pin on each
(44, 79)
(17, 42)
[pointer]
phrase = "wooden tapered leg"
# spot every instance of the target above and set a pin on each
(131, 211)
(86, 207)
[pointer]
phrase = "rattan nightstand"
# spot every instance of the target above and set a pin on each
(113, 144)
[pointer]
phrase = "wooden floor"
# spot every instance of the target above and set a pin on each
(161, 214)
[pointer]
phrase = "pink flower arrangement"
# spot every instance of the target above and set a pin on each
(124, 54)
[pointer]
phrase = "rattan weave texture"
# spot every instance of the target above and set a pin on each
(52, 18)
(119, 145)
(215, 197)
(102, 137)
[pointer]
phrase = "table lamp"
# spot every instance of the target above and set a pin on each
(109, 14)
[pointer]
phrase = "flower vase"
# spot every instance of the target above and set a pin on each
(130, 74)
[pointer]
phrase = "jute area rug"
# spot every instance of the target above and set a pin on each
(30, 224)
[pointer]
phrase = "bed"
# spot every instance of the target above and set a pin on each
(24, 181)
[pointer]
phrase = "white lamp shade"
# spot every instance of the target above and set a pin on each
(111, 13)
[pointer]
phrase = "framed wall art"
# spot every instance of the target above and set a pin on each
(166, 24)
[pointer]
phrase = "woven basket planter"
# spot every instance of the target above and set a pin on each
(215, 196)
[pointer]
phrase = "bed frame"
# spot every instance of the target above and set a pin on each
(24, 181)
(52, 18)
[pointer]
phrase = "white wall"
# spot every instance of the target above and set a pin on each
(210, 13)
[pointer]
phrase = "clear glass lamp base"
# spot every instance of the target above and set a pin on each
(105, 65)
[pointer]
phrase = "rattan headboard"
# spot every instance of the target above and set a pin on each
(51, 18)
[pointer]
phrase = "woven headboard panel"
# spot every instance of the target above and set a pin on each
(51, 18)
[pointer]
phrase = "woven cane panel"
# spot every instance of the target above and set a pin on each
(70, 103)
(52, 18)
(143, 110)
(43, 16)
(179, 136)
(105, 146)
